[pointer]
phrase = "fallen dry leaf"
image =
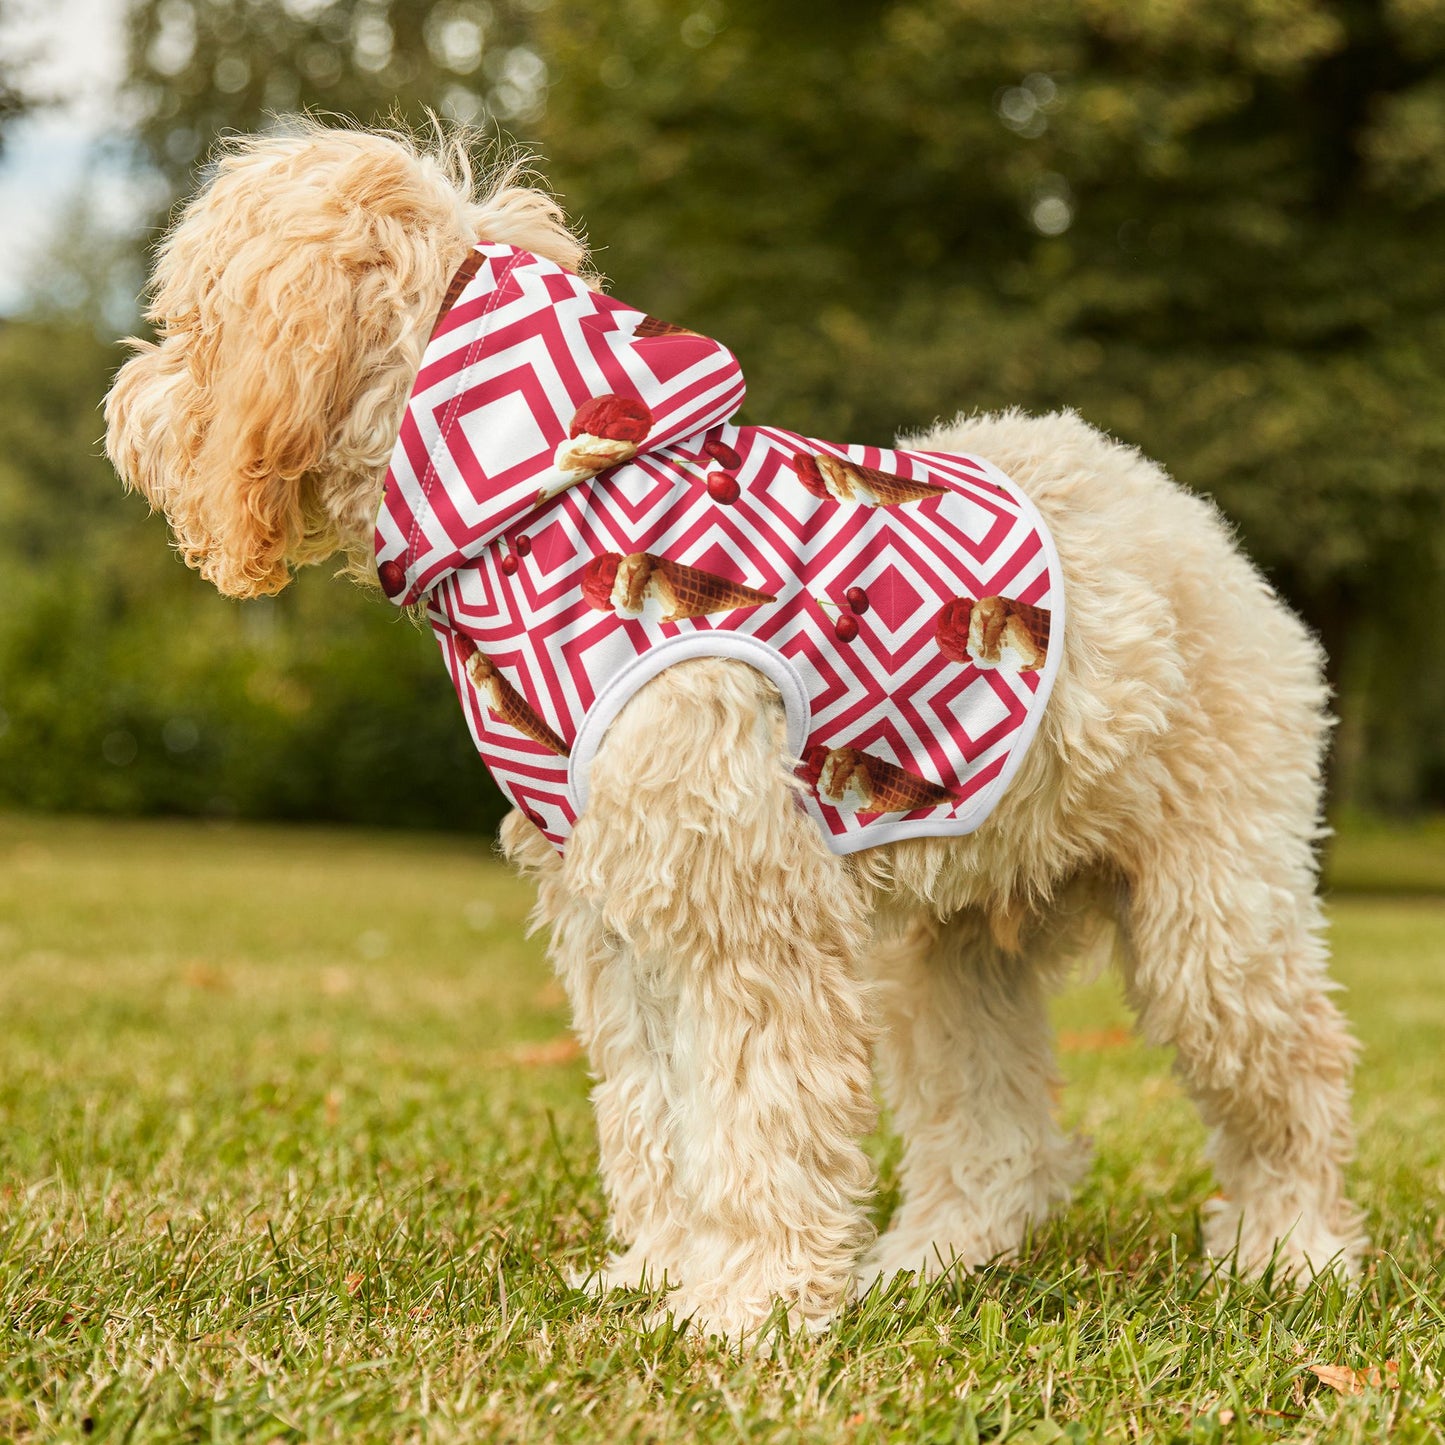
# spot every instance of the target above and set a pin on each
(1347, 1381)
(202, 975)
(560, 1050)
(354, 1283)
(335, 982)
(1096, 1041)
(551, 995)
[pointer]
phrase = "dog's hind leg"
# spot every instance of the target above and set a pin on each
(743, 930)
(966, 1060)
(1226, 962)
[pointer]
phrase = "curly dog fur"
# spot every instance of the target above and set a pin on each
(731, 979)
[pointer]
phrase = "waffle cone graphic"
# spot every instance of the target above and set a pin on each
(860, 782)
(651, 326)
(986, 630)
(1026, 630)
(691, 592)
(508, 706)
(465, 273)
(626, 584)
(845, 481)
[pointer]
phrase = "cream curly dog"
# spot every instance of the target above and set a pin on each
(731, 978)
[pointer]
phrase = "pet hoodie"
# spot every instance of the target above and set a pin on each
(572, 503)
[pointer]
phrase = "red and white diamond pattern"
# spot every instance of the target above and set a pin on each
(525, 345)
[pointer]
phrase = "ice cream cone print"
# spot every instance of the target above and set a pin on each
(605, 432)
(613, 583)
(829, 476)
(504, 702)
(994, 632)
(857, 782)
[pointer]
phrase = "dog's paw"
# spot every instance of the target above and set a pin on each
(966, 1228)
(753, 1324)
(1298, 1246)
(899, 1253)
(957, 1243)
(632, 1270)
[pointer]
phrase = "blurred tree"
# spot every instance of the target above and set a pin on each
(127, 685)
(15, 98)
(202, 67)
(1217, 229)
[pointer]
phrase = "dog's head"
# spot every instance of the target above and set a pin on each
(292, 301)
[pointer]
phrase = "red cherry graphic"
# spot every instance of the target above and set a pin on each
(845, 629)
(723, 487)
(722, 454)
(509, 563)
(857, 599)
(522, 546)
(392, 576)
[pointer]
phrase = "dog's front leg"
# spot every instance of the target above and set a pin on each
(624, 1024)
(739, 931)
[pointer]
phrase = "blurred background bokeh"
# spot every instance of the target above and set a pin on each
(1214, 227)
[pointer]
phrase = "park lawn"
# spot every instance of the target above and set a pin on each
(293, 1145)
(1368, 855)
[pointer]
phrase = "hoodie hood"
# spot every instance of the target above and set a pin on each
(532, 383)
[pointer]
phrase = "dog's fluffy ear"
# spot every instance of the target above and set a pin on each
(220, 423)
(291, 302)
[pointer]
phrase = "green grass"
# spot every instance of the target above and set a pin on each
(1372, 856)
(284, 1154)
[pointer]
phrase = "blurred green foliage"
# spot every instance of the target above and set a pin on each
(128, 686)
(1214, 227)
